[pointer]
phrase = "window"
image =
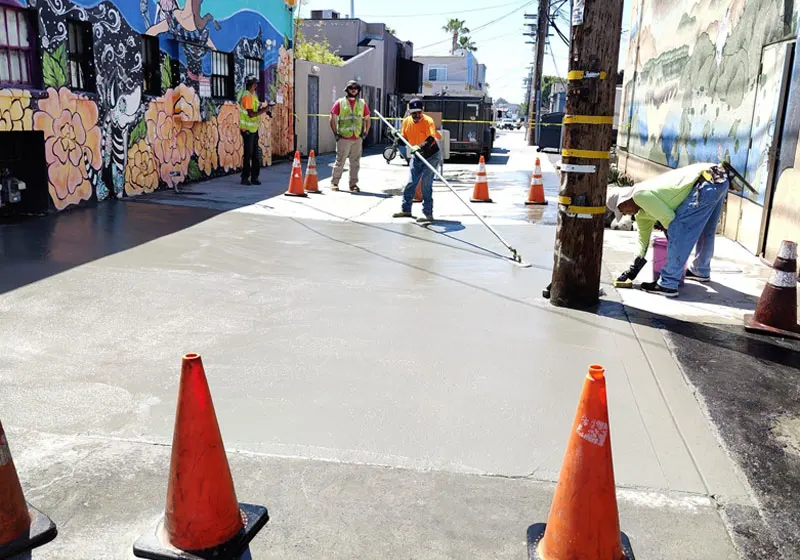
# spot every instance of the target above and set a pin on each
(17, 47)
(221, 75)
(151, 55)
(252, 67)
(79, 48)
(437, 73)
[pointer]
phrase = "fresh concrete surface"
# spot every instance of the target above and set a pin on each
(419, 380)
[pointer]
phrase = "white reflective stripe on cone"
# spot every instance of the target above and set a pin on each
(783, 279)
(788, 250)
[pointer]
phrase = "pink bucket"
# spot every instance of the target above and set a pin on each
(660, 245)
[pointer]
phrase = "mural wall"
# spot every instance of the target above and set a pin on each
(692, 75)
(114, 140)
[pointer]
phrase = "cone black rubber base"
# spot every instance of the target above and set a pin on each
(297, 195)
(751, 325)
(41, 531)
(487, 201)
(535, 203)
(156, 547)
(536, 534)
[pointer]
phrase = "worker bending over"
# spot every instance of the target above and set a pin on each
(686, 204)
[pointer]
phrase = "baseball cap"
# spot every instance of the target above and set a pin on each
(616, 196)
(415, 105)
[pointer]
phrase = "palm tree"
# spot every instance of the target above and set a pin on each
(466, 43)
(457, 28)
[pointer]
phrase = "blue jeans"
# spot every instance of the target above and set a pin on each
(420, 171)
(695, 223)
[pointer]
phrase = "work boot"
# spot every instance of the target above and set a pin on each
(246, 181)
(402, 215)
(255, 182)
(656, 288)
(696, 277)
(425, 219)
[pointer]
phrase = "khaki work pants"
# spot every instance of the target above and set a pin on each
(347, 150)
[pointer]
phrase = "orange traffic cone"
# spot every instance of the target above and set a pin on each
(202, 512)
(296, 180)
(536, 194)
(481, 191)
(776, 312)
(311, 184)
(418, 193)
(22, 526)
(584, 521)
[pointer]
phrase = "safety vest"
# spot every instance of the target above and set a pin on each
(351, 119)
(246, 122)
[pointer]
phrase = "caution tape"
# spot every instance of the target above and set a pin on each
(587, 119)
(586, 154)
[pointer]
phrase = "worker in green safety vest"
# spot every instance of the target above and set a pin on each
(350, 125)
(249, 114)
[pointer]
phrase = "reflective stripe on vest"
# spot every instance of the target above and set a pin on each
(351, 119)
(246, 122)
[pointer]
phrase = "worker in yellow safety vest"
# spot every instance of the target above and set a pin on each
(249, 113)
(350, 125)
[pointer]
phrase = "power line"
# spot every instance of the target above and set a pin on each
(484, 26)
(450, 13)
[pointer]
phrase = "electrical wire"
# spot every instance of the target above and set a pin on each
(481, 27)
(450, 13)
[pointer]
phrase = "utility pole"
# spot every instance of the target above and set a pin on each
(542, 24)
(353, 9)
(596, 30)
(529, 92)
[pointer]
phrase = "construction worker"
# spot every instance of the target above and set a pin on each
(350, 124)
(420, 131)
(686, 204)
(249, 112)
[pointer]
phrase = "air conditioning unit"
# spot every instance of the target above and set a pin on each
(324, 14)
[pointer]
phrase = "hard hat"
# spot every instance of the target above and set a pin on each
(415, 105)
(250, 80)
(352, 83)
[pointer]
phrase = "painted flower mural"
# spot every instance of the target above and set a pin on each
(265, 139)
(185, 103)
(171, 139)
(72, 145)
(231, 149)
(141, 172)
(15, 110)
(282, 129)
(206, 139)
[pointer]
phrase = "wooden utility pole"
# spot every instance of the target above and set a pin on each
(542, 24)
(596, 30)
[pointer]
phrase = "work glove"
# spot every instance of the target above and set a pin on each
(633, 271)
(337, 137)
(414, 150)
(364, 135)
(660, 227)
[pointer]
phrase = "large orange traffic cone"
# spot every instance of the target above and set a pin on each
(202, 512)
(311, 183)
(584, 521)
(481, 191)
(536, 194)
(776, 312)
(22, 526)
(418, 193)
(296, 180)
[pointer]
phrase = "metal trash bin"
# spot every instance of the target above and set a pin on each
(552, 127)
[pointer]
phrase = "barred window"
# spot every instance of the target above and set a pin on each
(222, 75)
(252, 67)
(151, 55)
(81, 63)
(17, 47)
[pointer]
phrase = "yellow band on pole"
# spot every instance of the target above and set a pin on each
(581, 74)
(587, 119)
(565, 200)
(586, 210)
(588, 154)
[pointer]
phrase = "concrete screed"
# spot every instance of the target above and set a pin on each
(384, 389)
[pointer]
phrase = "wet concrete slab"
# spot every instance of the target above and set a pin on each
(333, 334)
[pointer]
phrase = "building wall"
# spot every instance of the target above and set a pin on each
(115, 141)
(456, 67)
(343, 35)
(691, 77)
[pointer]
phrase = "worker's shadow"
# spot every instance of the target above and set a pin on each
(373, 194)
(445, 226)
(717, 294)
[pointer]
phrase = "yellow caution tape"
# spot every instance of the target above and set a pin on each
(587, 119)
(581, 74)
(587, 154)
(567, 201)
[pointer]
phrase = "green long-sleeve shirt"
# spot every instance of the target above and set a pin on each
(659, 197)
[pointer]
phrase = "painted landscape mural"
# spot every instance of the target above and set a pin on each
(692, 76)
(141, 120)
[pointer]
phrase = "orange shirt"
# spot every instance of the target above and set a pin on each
(416, 133)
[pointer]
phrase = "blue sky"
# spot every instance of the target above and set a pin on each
(501, 45)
